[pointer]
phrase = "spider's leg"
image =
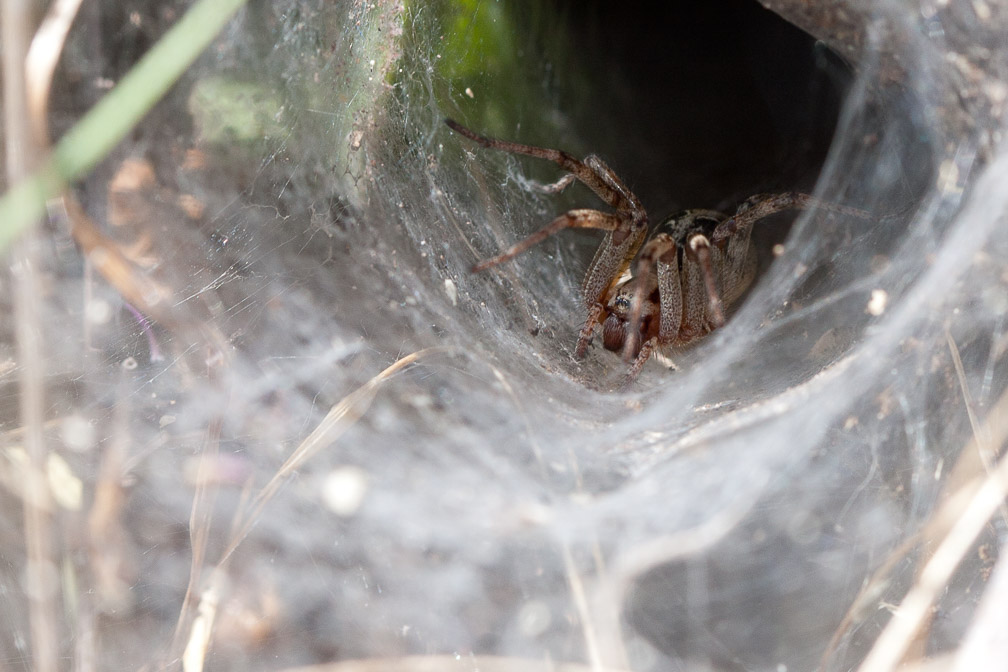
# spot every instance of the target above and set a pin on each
(660, 258)
(700, 246)
(554, 187)
(759, 206)
(581, 218)
(608, 176)
(635, 368)
(644, 278)
(661, 253)
(588, 329)
(593, 173)
(612, 258)
(604, 274)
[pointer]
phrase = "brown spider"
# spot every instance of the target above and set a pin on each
(694, 265)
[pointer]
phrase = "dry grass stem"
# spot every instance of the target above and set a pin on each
(959, 521)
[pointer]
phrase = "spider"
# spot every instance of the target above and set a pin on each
(662, 291)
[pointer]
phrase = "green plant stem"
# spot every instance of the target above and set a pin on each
(108, 122)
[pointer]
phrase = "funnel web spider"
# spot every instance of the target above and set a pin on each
(694, 265)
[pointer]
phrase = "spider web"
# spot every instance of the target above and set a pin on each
(496, 498)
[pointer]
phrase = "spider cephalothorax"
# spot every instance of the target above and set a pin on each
(681, 279)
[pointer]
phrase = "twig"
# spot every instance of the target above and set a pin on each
(338, 420)
(966, 513)
(42, 584)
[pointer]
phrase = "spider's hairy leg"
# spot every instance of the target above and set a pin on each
(662, 253)
(555, 187)
(588, 329)
(657, 264)
(593, 173)
(581, 218)
(700, 246)
(635, 368)
(604, 273)
(608, 176)
(760, 206)
(642, 280)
